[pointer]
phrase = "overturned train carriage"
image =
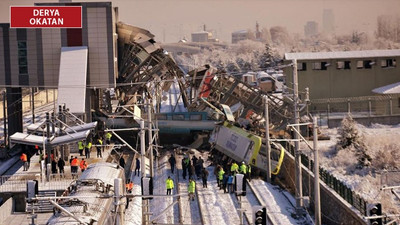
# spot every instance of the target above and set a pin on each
(84, 203)
(241, 145)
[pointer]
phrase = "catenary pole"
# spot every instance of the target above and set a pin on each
(316, 175)
(143, 167)
(267, 145)
(299, 187)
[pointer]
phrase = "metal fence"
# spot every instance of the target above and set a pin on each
(380, 105)
(17, 183)
(338, 186)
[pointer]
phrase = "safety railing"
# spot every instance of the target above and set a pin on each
(17, 183)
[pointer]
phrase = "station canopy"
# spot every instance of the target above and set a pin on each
(31, 139)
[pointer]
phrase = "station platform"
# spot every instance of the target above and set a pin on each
(17, 181)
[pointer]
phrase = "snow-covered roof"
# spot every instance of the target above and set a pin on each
(240, 32)
(342, 55)
(388, 89)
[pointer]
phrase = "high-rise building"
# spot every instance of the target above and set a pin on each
(311, 29)
(328, 21)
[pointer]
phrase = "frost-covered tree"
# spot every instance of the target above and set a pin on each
(351, 140)
(269, 58)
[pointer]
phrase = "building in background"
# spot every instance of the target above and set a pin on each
(201, 36)
(42, 58)
(344, 74)
(240, 36)
(310, 29)
(328, 21)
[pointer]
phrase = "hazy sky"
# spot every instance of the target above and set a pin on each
(171, 20)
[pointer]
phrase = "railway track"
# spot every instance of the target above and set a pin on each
(252, 196)
(251, 199)
(189, 211)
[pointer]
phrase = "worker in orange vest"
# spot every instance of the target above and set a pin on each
(129, 186)
(24, 159)
(74, 166)
(83, 165)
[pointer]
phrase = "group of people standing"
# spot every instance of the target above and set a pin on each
(193, 168)
(87, 145)
(226, 180)
(75, 163)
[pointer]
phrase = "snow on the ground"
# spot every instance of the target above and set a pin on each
(280, 204)
(133, 214)
(217, 207)
(160, 204)
(342, 165)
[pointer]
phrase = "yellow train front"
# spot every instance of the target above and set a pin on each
(241, 145)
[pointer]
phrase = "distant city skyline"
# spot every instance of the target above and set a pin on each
(172, 20)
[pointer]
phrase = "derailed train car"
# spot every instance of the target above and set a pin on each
(241, 145)
(84, 203)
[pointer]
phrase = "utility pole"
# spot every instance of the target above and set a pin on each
(5, 118)
(267, 145)
(119, 206)
(240, 210)
(143, 167)
(299, 183)
(150, 132)
(317, 201)
(33, 104)
(47, 159)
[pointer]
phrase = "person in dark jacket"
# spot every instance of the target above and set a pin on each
(122, 162)
(225, 182)
(53, 166)
(204, 177)
(191, 172)
(137, 168)
(61, 164)
(185, 166)
(194, 160)
(197, 169)
(172, 162)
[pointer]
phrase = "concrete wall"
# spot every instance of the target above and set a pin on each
(6, 210)
(334, 209)
(338, 83)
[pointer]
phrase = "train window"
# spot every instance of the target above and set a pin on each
(251, 145)
(178, 117)
(161, 117)
(195, 117)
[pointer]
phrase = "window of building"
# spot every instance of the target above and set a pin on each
(301, 66)
(360, 64)
(22, 58)
(385, 63)
(368, 64)
(316, 65)
(340, 65)
(320, 65)
(343, 65)
(347, 65)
